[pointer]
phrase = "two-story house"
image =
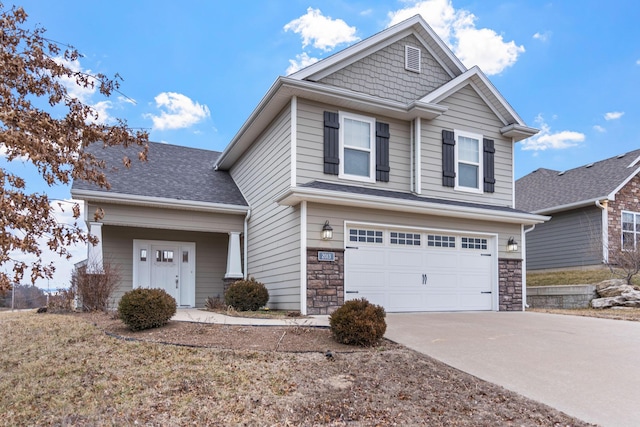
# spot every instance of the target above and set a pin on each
(382, 172)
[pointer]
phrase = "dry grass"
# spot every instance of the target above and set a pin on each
(62, 370)
(631, 314)
(572, 277)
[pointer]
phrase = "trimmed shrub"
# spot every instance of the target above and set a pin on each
(358, 322)
(246, 295)
(144, 308)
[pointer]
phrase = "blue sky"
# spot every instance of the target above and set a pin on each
(196, 69)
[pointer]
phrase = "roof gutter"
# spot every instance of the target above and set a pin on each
(580, 204)
(157, 202)
(294, 196)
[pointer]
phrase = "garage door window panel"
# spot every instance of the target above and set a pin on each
(365, 236)
(408, 239)
(473, 243)
(438, 241)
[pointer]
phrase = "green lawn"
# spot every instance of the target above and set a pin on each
(571, 277)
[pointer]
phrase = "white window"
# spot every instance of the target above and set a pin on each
(357, 147)
(468, 161)
(630, 230)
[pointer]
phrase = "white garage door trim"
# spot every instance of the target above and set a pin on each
(440, 282)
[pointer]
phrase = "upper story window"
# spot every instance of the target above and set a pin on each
(357, 147)
(468, 161)
(630, 230)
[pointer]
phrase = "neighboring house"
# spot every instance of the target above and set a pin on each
(384, 171)
(594, 209)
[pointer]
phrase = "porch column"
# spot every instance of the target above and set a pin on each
(94, 253)
(234, 258)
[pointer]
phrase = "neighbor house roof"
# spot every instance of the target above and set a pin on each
(375, 198)
(546, 191)
(172, 176)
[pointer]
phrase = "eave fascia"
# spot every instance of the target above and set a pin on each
(518, 132)
(157, 202)
(285, 88)
(569, 206)
(294, 196)
(612, 195)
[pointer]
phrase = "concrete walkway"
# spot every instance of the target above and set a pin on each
(203, 316)
(585, 367)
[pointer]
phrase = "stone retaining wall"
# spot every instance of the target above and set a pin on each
(569, 296)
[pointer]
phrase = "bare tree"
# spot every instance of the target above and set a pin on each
(43, 124)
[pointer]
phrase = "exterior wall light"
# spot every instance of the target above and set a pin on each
(512, 245)
(327, 231)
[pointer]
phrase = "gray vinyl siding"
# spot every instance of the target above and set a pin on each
(163, 218)
(382, 74)
(310, 154)
(569, 239)
(211, 256)
(467, 112)
(337, 216)
(262, 173)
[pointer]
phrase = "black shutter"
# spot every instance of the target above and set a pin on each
(382, 152)
(448, 158)
(488, 162)
(331, 143)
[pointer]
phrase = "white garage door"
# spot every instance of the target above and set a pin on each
(420, 271)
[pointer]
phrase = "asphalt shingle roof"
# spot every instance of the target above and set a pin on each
(544, 189)
(368, 191)
(171, 171)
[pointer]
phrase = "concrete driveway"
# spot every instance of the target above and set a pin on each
(586, 367)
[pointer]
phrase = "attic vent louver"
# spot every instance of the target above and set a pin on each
(589, 165)
(412, 56)
(561, 173)
(621, 156)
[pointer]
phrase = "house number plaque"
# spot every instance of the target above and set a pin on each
(326, 256)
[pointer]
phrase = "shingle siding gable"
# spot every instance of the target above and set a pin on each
(382, 74)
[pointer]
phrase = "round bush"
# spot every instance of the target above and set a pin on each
(246, 295)
(144, 308)
(358, 322)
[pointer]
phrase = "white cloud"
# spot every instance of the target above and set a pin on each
(86, 94)
(179, 111)
(473, 46)
(638, 62)
(613, 115)
(599, 128)
(322, 32)
(301, 61)
(543, 37)
(548, 140)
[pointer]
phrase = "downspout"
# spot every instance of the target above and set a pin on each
(246, 241)
(605, 229)
(524, 265)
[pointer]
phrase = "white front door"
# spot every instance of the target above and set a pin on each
(166, 265)
(165, 270)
